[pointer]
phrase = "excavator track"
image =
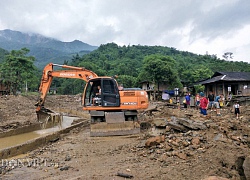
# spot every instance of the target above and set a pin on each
(114, 125)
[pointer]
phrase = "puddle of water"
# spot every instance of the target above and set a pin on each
(17, 139)
(67, 121)
(22, 138)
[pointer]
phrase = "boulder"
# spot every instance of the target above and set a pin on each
(155, 141)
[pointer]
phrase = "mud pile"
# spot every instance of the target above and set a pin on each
(18, 111)
(219, 144)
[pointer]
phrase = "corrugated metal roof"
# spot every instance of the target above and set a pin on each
(227, 76)
(242, 76)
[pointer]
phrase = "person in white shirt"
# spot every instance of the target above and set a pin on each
(237, 109)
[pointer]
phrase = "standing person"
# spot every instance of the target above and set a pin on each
(187, 98)
(237, 109)
(217, 105)
(211, 100)
(229, 97)
(203, 104)
(197, 100)
(222, 100)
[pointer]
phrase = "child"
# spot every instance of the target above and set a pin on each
(197, 101)
(237, 109)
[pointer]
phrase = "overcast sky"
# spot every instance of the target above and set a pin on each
(199, 26)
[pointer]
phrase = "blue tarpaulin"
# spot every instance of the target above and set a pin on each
(170, 92)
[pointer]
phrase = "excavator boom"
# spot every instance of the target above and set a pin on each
(71, 72)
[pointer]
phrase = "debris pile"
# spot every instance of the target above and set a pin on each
(187, 135)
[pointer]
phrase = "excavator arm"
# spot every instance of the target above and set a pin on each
(70, 72)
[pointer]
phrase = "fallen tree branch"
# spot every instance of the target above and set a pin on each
(125, 175)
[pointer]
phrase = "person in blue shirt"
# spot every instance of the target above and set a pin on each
(187, 97)
(217, 105)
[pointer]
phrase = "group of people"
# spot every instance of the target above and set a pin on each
(212, 102)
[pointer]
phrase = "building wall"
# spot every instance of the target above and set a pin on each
(147, 86)
(237, 88)
(151, 86)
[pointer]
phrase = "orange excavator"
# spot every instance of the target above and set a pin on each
(113, 110)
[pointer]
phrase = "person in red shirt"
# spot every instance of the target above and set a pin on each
(203, 104)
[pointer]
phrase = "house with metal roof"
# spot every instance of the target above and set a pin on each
(236, 83)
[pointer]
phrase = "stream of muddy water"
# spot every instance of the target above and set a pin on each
(22, 138)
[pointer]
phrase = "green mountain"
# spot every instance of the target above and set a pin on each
(44, 49)
(111, 59)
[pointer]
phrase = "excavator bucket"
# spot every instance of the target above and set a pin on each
(48, 118)
(115, 125)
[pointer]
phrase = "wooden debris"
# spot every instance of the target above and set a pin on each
(125, 175)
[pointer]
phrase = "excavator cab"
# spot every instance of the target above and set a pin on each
(102, 92)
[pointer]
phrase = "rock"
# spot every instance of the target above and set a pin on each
(178, 127)
(155, 141)
(195, 141)
(168, 148)
(235, 138)
(182, 156)
(195, 125)
(185, 143)
(163, 158)
(215, 178)
(246, 167)
(67, 158)
(174, 143)
(145, 125)
(168, 128)
(64, 168)
(159, 122)
(218, 137)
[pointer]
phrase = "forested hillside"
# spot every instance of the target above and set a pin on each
(137, 63)
(127, 62)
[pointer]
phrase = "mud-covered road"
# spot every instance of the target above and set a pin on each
(220, 149)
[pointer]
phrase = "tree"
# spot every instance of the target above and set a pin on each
(196, 73)
(76, 58)
(159, 69)
(127, 81)
(18, 69)
(227, 55)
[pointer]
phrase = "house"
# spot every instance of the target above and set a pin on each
(150, 88)
(237, 83)
(147, 85)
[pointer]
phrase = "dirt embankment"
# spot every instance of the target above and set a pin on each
(184, 145)
(17, 111)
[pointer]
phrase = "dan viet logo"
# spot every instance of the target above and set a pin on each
(35, 162)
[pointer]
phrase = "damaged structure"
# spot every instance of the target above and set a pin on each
(235, 83)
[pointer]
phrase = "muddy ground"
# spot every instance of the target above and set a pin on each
(211, 146)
